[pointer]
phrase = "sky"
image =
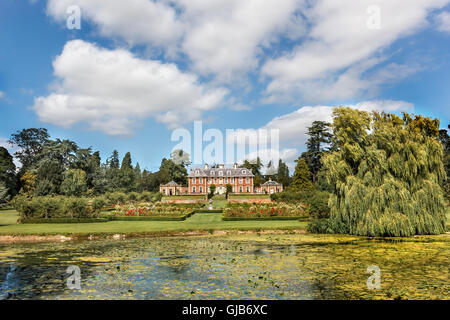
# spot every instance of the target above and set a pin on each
(135, 71)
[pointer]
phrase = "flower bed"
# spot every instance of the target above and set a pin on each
(154, 210)
(265, 211)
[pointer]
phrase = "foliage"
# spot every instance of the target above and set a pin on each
(301, 178)
(229, 189)
(28, 182)
(4, 194)
(7, 171)
(265, 210)
(212, 191)
(29, 143)
(386, 175)
(74, 183)
(316, 201)
(319, 140)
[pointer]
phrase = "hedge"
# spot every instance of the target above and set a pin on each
(64, 220)
(263, 218)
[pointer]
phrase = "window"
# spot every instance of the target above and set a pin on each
(201, 189)
(247, 180)
(244, 171)
(193, 189)
(196, 172)
(220, 180)
(193, 180)
(215, 180)
(232, 180)
(240, 189)
(229, 173)
(248, 189)
(212, 173)
(240, 180)
(220, 173)
(200, 180)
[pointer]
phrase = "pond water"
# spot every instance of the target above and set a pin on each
(229, 267)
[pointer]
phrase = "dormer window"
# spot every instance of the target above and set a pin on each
(228, 173)
(244, 171)
(212, 173)
(220, 173)
(197, 172)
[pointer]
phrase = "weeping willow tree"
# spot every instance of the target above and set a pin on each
(385, 175)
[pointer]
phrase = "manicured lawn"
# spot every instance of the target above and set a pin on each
(189, 197)
(249, 196)
(199, 221)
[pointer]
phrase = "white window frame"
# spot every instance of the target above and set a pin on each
(193, 190)
(193, 180)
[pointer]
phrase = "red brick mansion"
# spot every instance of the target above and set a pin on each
(240, 179)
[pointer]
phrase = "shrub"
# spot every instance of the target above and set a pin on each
(146, 196)
(319, 226)
(133, 196)
(50, 206)
(76, 208)
(98, 204)
(316, 201)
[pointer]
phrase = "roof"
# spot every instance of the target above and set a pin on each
(271, 183)
(220, 172)
(171, 184)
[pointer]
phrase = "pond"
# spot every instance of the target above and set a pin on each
(297, 266)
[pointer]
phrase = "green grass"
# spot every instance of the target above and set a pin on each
(199, 221)
(248, 196)
(187, 197)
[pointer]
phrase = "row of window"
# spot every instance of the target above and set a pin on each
(221, 180)
(241, 189)
(197, 172)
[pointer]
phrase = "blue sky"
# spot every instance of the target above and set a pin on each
(137, 70)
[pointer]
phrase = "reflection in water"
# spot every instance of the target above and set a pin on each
(229, 267)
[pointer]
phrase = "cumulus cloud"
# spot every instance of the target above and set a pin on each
(293, 126)
(112, 90)
(443, 20)
(2, 94)
(223, 38)
(342, 47)
(135, 21)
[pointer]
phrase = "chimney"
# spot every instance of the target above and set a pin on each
(206, 166)
(221, 166)
(235, 165)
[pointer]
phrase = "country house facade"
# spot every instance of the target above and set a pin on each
(240, 179)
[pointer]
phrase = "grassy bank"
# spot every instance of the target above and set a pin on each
(204, 221)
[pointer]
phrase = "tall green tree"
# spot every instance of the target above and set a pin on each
(74, 183)
(30, 143)
(282, 175)
(386, 175)
(4, 194)
(320, 139)
(127, 174)
(301, 178)
(7, 171)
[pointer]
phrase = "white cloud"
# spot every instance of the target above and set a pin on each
(226, 37)
(334, 60)
(2, 94)
(293, 126)
(112, 91)
(223, 38)
(443, 20)
(146, 22)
